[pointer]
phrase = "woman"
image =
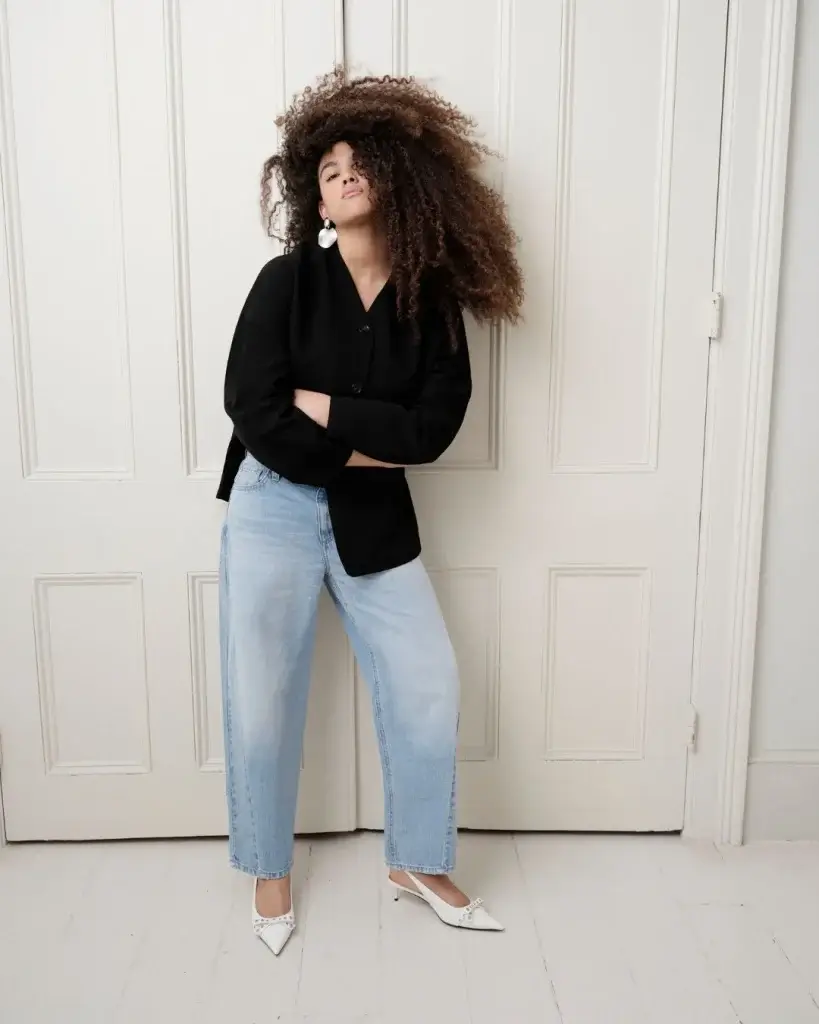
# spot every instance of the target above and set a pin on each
(349, 363)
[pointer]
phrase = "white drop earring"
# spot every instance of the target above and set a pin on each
(328, 235)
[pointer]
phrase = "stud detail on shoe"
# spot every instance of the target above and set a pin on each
(273, 931)
(260, 923)
(469, 911)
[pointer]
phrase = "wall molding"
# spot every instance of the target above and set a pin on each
(561, 226)
(785, 756)
(400, 37)
(548, 673)
(179, 232)
(205, 759)
(14, 248)
(490, 577)
(338, 33)
(175, 106)
(18, 293)
(752, 182)
(498, 331)
(498, 342)
(666, 107)
(53, 763)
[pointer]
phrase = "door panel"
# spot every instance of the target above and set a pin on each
(562, 528)
(125, 282)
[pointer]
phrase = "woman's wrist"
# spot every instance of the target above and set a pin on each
(357, 459)
(313, 404)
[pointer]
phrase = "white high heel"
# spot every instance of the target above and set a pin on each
(273, 931)
(472, 916)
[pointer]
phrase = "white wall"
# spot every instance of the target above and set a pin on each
(783, 785)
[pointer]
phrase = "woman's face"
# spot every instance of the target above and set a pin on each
(345, 194)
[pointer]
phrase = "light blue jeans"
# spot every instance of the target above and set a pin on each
(277, 553)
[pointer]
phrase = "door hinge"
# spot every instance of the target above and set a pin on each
(715, 316)
(691, 723)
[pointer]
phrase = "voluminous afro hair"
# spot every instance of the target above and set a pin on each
(445, 227)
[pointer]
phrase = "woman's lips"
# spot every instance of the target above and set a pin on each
(351, 193)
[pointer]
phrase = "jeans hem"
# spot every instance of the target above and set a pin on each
(264, 875)
(423, 869)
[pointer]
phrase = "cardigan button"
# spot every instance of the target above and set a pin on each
(356, 389)
(364, 329)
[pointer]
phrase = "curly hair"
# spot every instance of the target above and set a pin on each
(444, 226)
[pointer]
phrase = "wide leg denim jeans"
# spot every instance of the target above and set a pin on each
(277, 553)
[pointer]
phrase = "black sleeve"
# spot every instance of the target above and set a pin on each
(259, 389)
(421, 433)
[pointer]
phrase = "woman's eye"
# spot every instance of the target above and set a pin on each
(333, 175)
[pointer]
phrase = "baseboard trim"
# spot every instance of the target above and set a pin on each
(792, 757)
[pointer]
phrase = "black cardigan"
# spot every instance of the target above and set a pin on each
(395, 399)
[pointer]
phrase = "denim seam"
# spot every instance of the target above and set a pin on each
(448, 845)
(382, 736)
(229, 765)
(232, 739)
(447, 857)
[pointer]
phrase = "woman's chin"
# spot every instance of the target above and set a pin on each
(355, 218)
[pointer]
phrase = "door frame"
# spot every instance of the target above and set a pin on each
(752, 187)
(752, 184)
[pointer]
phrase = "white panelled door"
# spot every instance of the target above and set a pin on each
(133, 136)
(562, 528)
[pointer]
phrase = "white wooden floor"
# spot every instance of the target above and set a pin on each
(600, 930)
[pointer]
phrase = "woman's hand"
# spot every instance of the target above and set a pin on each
(313, 404)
